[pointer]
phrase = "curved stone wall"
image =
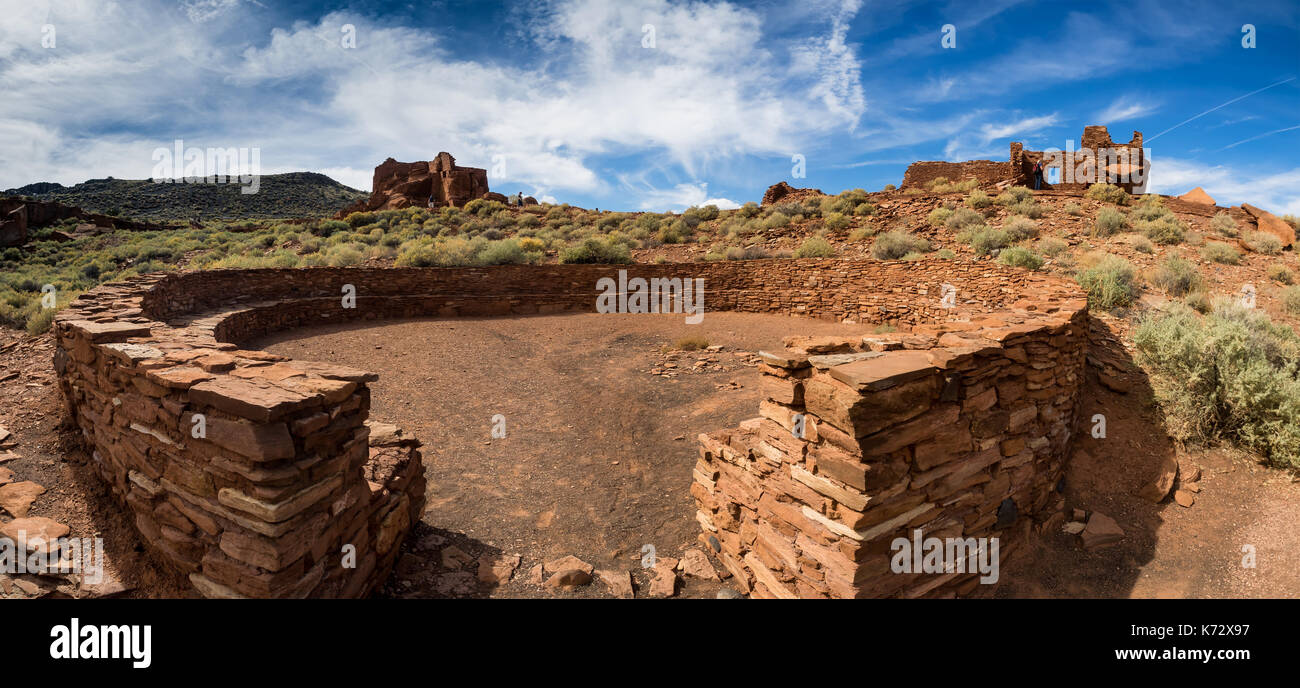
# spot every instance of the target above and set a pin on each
(262, 476)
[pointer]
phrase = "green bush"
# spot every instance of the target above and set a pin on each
(1020, 257)
(1291, 300)
(814, 247)
(896, 244)
(1073, 208)
(1014, 195)
(963, 218)
(507, 252)
(836, 221)
(1108, 193)
(1224, 224)
(1176, 276)
(938, 216)
(1111, 282)
(1028, 208)
(1165, 230)
(1142, 244)
(890, 187)
(1109, 221)
(596, 250)
(1280, 274)
(978, 199)
(1052, 246)
(1265, 243)
(1020, 228)
(1228, 376)
(985, 240)
(1220, 252)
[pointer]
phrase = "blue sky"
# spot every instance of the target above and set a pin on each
(567, 101)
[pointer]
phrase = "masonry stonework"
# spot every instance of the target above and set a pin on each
(941, 425)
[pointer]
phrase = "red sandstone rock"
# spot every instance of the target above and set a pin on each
(1101, 531)
(1271, 224)
(17, 498)
(1197, 195)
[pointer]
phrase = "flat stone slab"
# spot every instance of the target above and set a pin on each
(252, 399)
(888, 369)
(101, 332)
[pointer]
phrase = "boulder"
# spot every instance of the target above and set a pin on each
(1271, 224)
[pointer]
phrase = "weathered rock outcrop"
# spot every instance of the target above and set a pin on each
(438, 182)
(18, 215)
(1271, 224)
(1197, 195)
(782, 191)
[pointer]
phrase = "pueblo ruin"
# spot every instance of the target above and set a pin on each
(1098, 159)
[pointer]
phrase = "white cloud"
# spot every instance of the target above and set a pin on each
(678, 197)
(714, 87)
(992, 140)
(1272, 191)
(1124, 109)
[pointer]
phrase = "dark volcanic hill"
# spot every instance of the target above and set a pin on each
(294, 194)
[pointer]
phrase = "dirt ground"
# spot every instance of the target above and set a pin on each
(599, 446)
(598, 452)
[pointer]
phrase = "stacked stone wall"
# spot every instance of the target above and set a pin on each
(290, 490)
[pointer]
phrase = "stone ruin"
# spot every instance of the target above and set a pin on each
(254, 474)
(439, 182)
(18, 214)
(1083, 163)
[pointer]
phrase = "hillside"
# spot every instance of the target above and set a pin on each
(290, 195)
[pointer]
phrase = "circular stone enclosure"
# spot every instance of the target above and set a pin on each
(261, 476)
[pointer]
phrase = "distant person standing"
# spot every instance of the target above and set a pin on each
(1038, 175)
(519, 199)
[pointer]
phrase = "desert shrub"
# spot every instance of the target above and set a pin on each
(343, 255)
(329, 227)
(1073, 209)
(750, 209)
(836, 221)
(1230, 375)
(1176, 276)
(1014, 195)
(748, 253)
(963, 218)
(938, 216)
(1142, 244)
(1166, 229)
(945, 253)
(890, 187)
(896, 244)
(863, 232)
(596, 250)
(814, 247)
(1020, 228)
(1291, 300)
(507, 252)
(978, 199)
(1020, 257)
(985, 240)
(1027, 208)
(691, 343)
(776, 219)
(1263, 242)
(864, 209)
(1108, 193)
(1280, 273)
(1199, 301)
(532, 244)
(1224, 224)
(1220, 252)
(1149, 207)
(1052, 246)
(1110, 281)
